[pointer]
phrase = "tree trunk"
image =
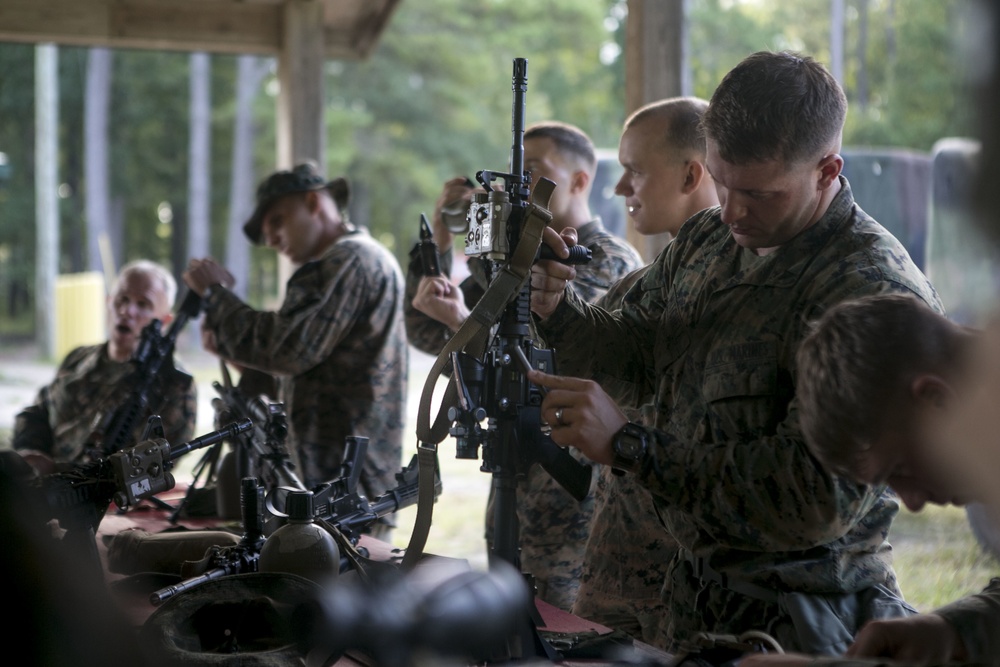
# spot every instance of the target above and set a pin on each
(250, 71)
(199, 228)
(97, 206)
(862, 55)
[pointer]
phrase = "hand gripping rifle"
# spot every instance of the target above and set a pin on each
(490, 403)
(154, 349)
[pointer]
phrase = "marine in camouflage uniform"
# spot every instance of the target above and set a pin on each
(711, 331)
(975, 617)
(337, 345)
(624, 563)
(67, 414)
(554, 526)
(338, 349)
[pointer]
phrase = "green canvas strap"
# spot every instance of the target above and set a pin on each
(472, 338)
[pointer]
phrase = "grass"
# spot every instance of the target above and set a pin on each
(937, 558)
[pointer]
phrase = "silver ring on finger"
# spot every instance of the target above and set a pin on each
(559, 417)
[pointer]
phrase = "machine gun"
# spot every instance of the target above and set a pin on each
(259, 452)
(79, 498)
(153, 350)
(337, 503)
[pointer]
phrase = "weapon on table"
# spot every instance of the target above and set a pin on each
(337, 504)
(153, 350)
(80, 497)
(259, 452)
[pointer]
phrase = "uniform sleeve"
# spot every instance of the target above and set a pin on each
(422, 331)
(977, 619)
(731, 479)
(31, 426)
(323, 300)
(611, 261)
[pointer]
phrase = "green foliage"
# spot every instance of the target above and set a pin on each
(433, 101)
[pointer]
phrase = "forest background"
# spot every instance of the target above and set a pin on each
(432, 101)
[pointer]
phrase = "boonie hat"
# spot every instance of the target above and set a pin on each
(303, 177)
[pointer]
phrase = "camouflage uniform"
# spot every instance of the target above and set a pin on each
(711, 332)
(625, 561)
(88, 387)
(554, 526)
(977, 619)
(338, 348)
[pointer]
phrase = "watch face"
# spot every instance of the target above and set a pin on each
(630, 446)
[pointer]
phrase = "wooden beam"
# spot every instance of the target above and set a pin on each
(352, 27)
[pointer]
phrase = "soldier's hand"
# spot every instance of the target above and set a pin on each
(455, 189)
(549, 277)
(925, 639)
(209, 341)
(203, 273)
(438, 298)
(42, 463)
(581, 415)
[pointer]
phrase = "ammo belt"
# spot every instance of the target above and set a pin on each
(706, 573)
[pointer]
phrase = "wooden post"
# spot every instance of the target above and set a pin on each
(655, 67)
(300, 74)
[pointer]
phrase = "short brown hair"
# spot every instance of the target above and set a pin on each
(570, 140)
(681, 118)
(856, 365)
(775, 106)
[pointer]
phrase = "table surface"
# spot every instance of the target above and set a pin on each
(151, 519)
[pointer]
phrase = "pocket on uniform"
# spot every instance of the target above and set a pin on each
(740, 387)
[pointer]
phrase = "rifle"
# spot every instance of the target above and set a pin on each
(491, 404)
(427, 249)
(80, 497)
(153, 350)
(336, 503)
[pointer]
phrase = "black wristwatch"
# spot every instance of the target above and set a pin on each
(629, 447)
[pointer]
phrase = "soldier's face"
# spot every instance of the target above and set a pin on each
(543, 159)
(767, 204)
(137, 301)
(907, 456)
(652, 179)
(291, 227)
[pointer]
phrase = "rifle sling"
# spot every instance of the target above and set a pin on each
(472, 338)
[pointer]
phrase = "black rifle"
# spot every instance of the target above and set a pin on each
(238, 559)
(427, 250)
(494, 389)
(336, 503)
(495, 406)
(153, 350)
(79, 498)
